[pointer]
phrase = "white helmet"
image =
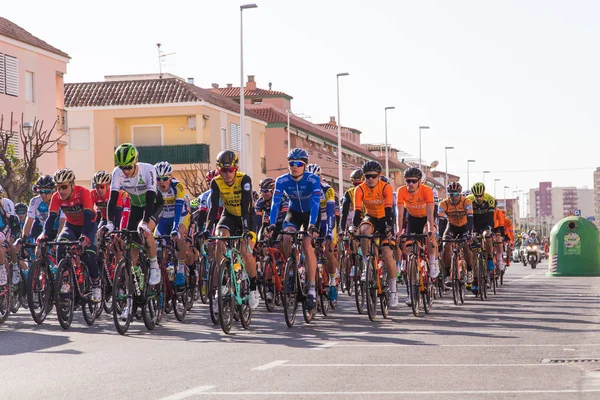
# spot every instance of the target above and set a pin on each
(101, 177)
(163, 168)
(314, 169)
(64, 175)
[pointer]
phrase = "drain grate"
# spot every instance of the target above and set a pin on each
(570, 360)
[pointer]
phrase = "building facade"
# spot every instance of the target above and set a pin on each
(551, 204)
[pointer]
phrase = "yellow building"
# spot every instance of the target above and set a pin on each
(167, 118)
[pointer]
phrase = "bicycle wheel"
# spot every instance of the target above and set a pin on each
(323, 293)
(343, 274)
(428, 294)
(359, 285)
(455, 281)
(225, 295)
(180, 298)
(65, 288)
(202, 270)
(383, 297)
(289, 296)
(15, 304)
(90, 309)
(39, 294)
(107, 290)
(484, 288)
(270, 294)
(494, 278)
(349, 279)
(461, 286)
(122, 296)
(502, 277)
(211, 293)
(5, 298)
(414, 285)
(371, 285)
(153, 301)
(481, 274)
(244, 310)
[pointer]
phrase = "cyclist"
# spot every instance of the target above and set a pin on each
(456, 220)
(357, 177)
(509, 237)
(21, 211)
(263, 206)
(377, 197)
(100, 196)
(484, 208)
(6, 226)
(204, 201)
(138, 179)
(418, 200)
(498, 237)
(76, 202)
(304, 193)
(234, 189)
(326, 228)
(175, 218)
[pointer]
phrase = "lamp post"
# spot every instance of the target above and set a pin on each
(446, 162)
(27, 126)
(495, 180)
(339, 132)
(420, 128)
(468, 163)
(484, 172)
(387, 164)
(242, 111)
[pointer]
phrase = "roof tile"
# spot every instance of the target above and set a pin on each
(14, 31)
(235, 92)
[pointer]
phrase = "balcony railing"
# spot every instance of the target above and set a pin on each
(263, 165)
(177, 154)
(61, 120)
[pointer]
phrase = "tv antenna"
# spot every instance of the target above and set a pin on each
(161, 58)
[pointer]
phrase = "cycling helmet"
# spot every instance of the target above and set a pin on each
(163, 168)
(125, 155)
(227, 158)
(210, 175)
(466, 193)
(454, 187)
(314, 169)
(384, 179)
(44, 182)
(21, 208)
(413, 172)
(194, 204)
(371, 166)
(101, 178)
(298, 154)
(478, 189)
(532, 233)
(357, 176)
(267, 184)
(65, 175)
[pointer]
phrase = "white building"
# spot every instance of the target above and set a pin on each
(563, 201)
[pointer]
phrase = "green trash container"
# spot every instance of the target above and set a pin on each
(574, 248)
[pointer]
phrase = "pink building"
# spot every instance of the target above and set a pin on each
(31, 86)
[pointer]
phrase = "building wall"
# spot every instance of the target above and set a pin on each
(585, 201)
(47, 69)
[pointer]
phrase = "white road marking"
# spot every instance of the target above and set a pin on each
(188, 393)
(528, 276)
(412, 365)
(462, 345)
(374, 393)
(270, 365)
(325, 346)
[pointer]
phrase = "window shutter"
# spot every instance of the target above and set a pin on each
(11, 66)
(236, 138)
(2, 75)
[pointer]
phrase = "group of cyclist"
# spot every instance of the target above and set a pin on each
(148, 198)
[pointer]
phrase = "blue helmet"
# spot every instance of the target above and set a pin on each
(298, 154)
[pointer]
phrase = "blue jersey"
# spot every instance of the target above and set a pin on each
(304, 195)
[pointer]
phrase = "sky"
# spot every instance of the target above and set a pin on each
(512, 85)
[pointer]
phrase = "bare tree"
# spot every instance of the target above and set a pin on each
(194, 179)
(18, 173)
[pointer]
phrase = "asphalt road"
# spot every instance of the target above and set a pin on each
(529, 341)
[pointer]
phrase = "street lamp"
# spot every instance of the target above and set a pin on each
(468, 162)
(387, 165)
(446, 162)
(484, 172)
(495, 180)
(339, 126)
(242, 114)
(27, 126)
(420, 160)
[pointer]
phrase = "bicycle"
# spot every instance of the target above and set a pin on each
(130, 290)
(421, 289)
(481, 266)
(274, 263)
(457, 269)
(346, 276)
(106, 268)
(234, 286)
(178, 296)
(375, 279)
(41, 284)
(322, 279)
(207, 276)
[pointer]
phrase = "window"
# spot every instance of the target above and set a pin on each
(328, 159)
(2, 78)
(29, 87)
(319, 156)
(79, 138)
(224, 138)
(148, 135)
(257, 101)
(236, 137)
(9, 75)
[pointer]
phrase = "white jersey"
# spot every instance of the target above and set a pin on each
(9, 207)
(38, 210)
(137, 185)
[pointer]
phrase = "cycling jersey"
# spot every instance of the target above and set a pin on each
(8, 206)
(375, 199)
(126, 211)
(73, 207)
(327, 209)
(38, 212)
(304, 195)
(415, 203)
(498, 219)
(483, 213)
(456, 214)
(236, 198)
(263, 209)
(509, 230)
(347, 207)
(174, 210)
(101, 202)
(136, 186)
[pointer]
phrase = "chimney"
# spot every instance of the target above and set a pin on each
(229, 85)
(215, 88)
(332, 121)
(190, 81)
(251, 85)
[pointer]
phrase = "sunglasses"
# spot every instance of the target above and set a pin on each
(454, 194)
(412, 181)
(227, 170)
(21, 213)
(129, 168)
(479, 197)
(296, 164)
(63, 187)
(101, 187)
(371, 176)
(265, 190)
(163, 178)
(46, 191)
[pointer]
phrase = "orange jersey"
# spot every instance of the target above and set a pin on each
(456, 213)
(498, 218)
(415, 203)
(375, 199)
(509, 230)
